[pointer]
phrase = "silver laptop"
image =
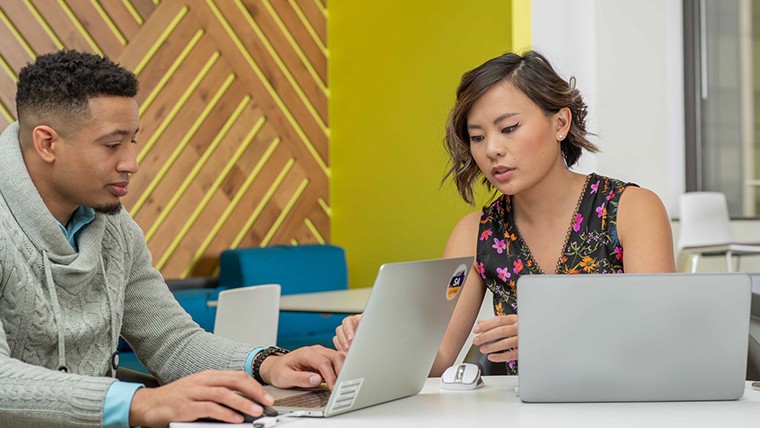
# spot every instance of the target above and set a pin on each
(633, 337)
(239, 308)
(396, 342)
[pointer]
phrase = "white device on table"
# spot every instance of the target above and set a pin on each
(396, 342)
(633, 337)
(465, 376)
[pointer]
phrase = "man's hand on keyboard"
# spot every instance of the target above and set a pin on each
(305, 367)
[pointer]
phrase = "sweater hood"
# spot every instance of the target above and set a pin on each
(38, 224)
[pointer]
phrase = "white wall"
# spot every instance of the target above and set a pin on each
(627, 57)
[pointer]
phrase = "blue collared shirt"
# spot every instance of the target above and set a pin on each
(119, 395)
(81, 218)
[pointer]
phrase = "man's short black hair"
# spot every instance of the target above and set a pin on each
(63, 83)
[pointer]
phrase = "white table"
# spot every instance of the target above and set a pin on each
(350, 301)
(497, 405)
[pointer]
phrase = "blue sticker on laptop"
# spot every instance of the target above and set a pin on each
(456, 282)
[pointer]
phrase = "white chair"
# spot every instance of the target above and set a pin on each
(706, 230)
(249, 314)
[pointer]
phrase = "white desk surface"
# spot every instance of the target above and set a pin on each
(497, 405)
(351, 301)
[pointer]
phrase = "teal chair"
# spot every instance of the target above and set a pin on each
(298, 269)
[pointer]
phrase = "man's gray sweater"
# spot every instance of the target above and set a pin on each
(59, 307)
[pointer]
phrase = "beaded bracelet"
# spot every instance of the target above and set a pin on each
(259, 359)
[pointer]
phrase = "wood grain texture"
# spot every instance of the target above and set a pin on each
(234, 137)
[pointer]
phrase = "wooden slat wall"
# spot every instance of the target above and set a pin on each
(233, 146)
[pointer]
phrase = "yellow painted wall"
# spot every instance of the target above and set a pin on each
(394, 67)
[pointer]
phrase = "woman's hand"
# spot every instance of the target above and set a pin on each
(497, 337)
(344, 334)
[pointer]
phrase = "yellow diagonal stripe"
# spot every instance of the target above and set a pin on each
(80, 27)
(285, 211)
(58, 43)
(160, 40)
(325, 207)
(310, 29)
(272, 92)
(217, 182)
(214, 187)
(321, 8)
(16, 34)
(170, 72)
(198, 166)
(177, 107)
(236, 199)
(276, 57)
(182, 144)
(5, 66)
(132, 11)
(266, 204)
(264, 201)
(109, 22)
(314, 231)
(6, 114)
(297, 48)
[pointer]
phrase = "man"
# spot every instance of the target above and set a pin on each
(75, 274)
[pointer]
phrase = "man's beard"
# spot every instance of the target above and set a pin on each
(112, 209)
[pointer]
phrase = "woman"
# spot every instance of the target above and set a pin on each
(518, 127)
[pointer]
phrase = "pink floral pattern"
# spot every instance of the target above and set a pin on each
(578, 221)
(481, 270)
(593, 245)
(503, 273)
(499, 245)
(595, 186)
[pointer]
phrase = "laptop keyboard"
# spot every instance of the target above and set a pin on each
(309, 399)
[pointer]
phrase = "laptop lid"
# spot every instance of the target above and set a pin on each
(633, 337)
(399, 334)
(240, 308)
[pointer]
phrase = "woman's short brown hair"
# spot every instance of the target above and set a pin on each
(530, 73)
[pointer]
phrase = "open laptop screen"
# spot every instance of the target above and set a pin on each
(656, 337)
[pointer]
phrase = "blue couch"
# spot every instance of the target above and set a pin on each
(298, 269)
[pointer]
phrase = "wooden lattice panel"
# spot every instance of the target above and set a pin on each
(233, 145)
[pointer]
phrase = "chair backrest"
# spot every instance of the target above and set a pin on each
(298, 269)
(249, 314)
(704, 220)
